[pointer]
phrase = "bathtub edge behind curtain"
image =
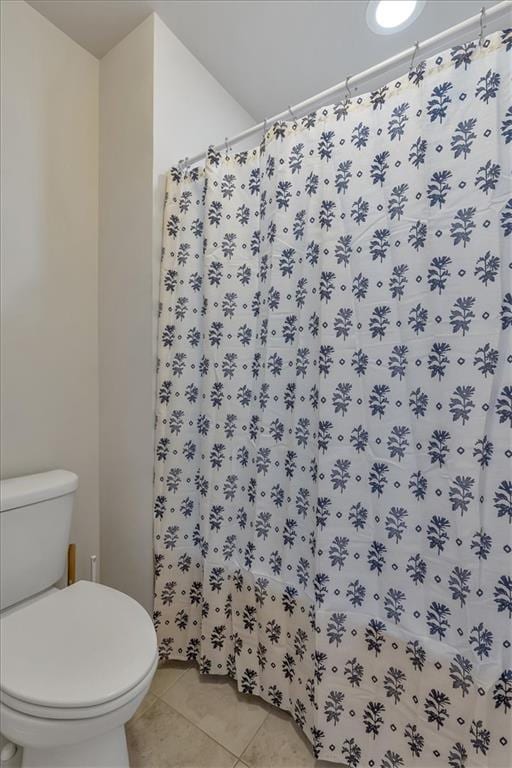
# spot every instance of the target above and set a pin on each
(333, 454)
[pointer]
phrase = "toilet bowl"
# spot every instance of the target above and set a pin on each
(75, 665)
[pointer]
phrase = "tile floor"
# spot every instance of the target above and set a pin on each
(189, 720)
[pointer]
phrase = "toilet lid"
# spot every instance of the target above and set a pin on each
(78, 647)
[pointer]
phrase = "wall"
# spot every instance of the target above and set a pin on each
(49, 188)
(157, 104)
(125, 311)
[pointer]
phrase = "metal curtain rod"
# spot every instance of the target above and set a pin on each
(433, 45)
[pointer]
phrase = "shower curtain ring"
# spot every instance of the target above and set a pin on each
(226, 141)
(291, 113)
(482, 26)
(347, 87)
(264, 128)
(416, 49)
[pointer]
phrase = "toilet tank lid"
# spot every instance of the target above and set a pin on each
(31, 489)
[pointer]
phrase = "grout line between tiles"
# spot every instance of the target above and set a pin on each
(160, 695)
(253, 737)
(239, 762)
(237, 758)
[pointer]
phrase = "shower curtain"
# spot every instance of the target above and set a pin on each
(333, 483)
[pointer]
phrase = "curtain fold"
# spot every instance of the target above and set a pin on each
(333, 452)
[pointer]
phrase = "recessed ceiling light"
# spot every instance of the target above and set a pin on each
(388, 16)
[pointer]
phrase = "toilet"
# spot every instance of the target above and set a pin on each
(75, 662)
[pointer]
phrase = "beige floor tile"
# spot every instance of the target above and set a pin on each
(166, 675)
(162, 738)
(214, 705)
(279, 744)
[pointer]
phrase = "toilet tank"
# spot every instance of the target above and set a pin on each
(35, 519)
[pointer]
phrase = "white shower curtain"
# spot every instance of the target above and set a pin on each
(333, 484)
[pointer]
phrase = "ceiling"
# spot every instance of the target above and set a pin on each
(266, 53)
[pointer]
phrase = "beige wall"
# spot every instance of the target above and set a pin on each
(125, 309)
(49, 412)
(157, 105)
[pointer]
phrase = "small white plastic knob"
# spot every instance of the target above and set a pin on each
(94, 576)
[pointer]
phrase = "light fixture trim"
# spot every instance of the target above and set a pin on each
(375, 9)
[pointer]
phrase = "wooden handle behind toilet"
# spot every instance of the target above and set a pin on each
(71, 564)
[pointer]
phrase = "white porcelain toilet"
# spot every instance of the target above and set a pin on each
(75, 662)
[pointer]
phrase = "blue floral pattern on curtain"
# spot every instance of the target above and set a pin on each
(333, 484)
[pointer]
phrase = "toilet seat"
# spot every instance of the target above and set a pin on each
(77, 713)
(77, 653)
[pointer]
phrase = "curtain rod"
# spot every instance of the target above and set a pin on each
(448, 37)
